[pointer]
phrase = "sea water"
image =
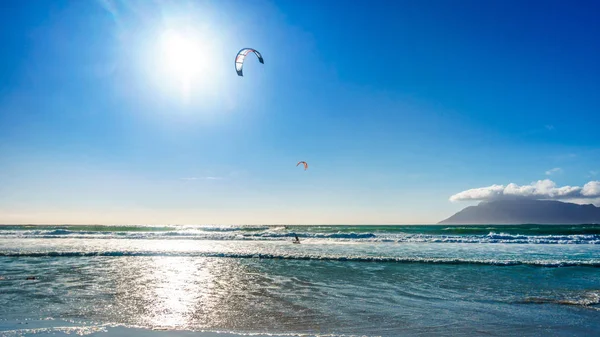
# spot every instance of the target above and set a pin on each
(341, 280)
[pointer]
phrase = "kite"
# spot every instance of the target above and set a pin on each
(241, 56)
(303, 162)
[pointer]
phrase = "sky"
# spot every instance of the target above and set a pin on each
(132, 112)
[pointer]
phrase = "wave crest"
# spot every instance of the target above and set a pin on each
(285, 233)
(539, 263)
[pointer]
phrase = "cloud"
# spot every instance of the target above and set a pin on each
(591, 189)
(541, 189)
(593, 173)
(554, 170)
(564, 156)
(202, 178)
(549, 127)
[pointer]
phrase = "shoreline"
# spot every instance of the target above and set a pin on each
(52, 327)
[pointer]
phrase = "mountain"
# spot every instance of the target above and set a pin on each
(522, 211)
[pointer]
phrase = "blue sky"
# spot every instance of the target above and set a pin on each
(395, 105)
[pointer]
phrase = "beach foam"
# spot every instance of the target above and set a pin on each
(585, 235)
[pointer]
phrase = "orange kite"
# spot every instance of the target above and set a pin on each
(303, 162)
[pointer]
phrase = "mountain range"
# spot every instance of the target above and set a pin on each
(525, 211)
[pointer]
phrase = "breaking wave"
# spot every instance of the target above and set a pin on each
(359, 258)
(282, 233)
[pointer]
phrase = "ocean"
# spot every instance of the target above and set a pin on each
(437, 280)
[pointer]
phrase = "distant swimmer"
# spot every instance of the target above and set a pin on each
(31, 278)
(297, 240)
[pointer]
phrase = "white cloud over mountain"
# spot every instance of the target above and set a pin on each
(541, 189)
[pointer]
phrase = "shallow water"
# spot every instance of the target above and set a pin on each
(376, 281)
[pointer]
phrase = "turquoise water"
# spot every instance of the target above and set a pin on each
(341, 280)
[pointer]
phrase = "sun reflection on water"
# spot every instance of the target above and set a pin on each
(180, 292)
(198, 293)
(177, 285)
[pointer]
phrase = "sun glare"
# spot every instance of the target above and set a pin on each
(182, 54)
(185, 63)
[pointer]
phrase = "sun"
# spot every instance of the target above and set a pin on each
(186, 64)
(182, 55)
